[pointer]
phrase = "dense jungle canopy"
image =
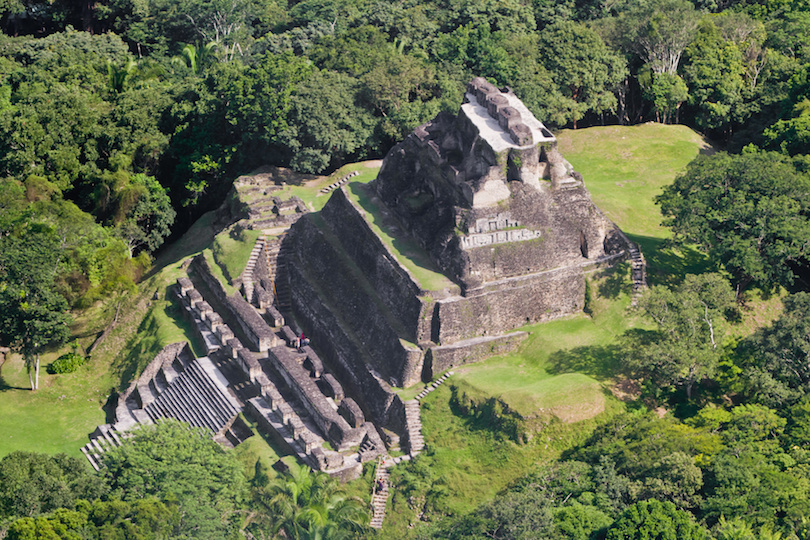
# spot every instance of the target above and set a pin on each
(123, 121)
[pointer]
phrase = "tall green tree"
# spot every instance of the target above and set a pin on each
(170, 461)
(748, 212)
(686, 346)
(305, 504)
(777, 358)
(32, 484)
(654, 519)
(585, 71)
(32, 316)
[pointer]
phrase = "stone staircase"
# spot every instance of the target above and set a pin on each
(282, 278)
(335, 185)
(379, 497)
(105, 438)
(433, 386)
(639, 272)
(413, 425)
(193, 397)
(247, 275)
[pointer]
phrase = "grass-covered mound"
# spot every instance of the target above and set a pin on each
(624, 168)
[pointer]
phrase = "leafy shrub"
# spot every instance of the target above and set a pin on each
(67, 363)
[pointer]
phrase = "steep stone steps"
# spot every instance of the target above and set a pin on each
(101, 441)
(195, 398)
(359, 278)
(218, 401)
(638, 268)
(247, 274)
(379, 497)
(413, 424)
(432, 386)
(281, 281)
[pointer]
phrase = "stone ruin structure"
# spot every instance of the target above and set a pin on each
(255, 365)
(493, 204)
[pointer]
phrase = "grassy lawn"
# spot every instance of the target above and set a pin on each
(57, 417)
(231, 250)
(563, 365)
(624, 168)
(471, 463)
(310, 191)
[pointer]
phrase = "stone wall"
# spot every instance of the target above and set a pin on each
(240, 316)
(455, 171)
(309, 395)
(394, 359)
(344, 355)
(510, 304)
(442, 358)
(394, 285)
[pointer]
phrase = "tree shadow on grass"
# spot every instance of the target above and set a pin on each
(615, 281)
(667, 263)
(597, 361)
(4, 386)
(141, 348)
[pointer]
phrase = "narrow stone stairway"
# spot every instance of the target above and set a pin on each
(433, 386)
(639, 272)
(413, 423)
(247, 275)
(379, 496)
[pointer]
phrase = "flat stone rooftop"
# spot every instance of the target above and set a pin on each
(497, 137)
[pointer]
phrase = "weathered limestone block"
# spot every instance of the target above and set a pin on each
(442, 358)
(213, 320)
(510, 304)
(284, 412)
(224, 334)
(194, 297)
(290, 337)
(184, 285)
(331, 387)
(312, 362)
(306, 391)
(509, 118)
(351, 412)
(233, 346)
(495, 103)
(273, 317)
(521, 134)
(501, 167)
(203, 309)
(308, 441)
(249, 363)
(333, 460)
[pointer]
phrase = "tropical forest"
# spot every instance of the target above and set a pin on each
(679, 409)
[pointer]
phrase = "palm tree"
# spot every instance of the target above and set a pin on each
(310, 505)
(117, 76)
(196, 58)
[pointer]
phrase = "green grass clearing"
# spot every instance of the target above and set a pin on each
(310, 191)
(471, 463)
(231, 249)
(562, 366)
(57, 417)
(624, 168)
